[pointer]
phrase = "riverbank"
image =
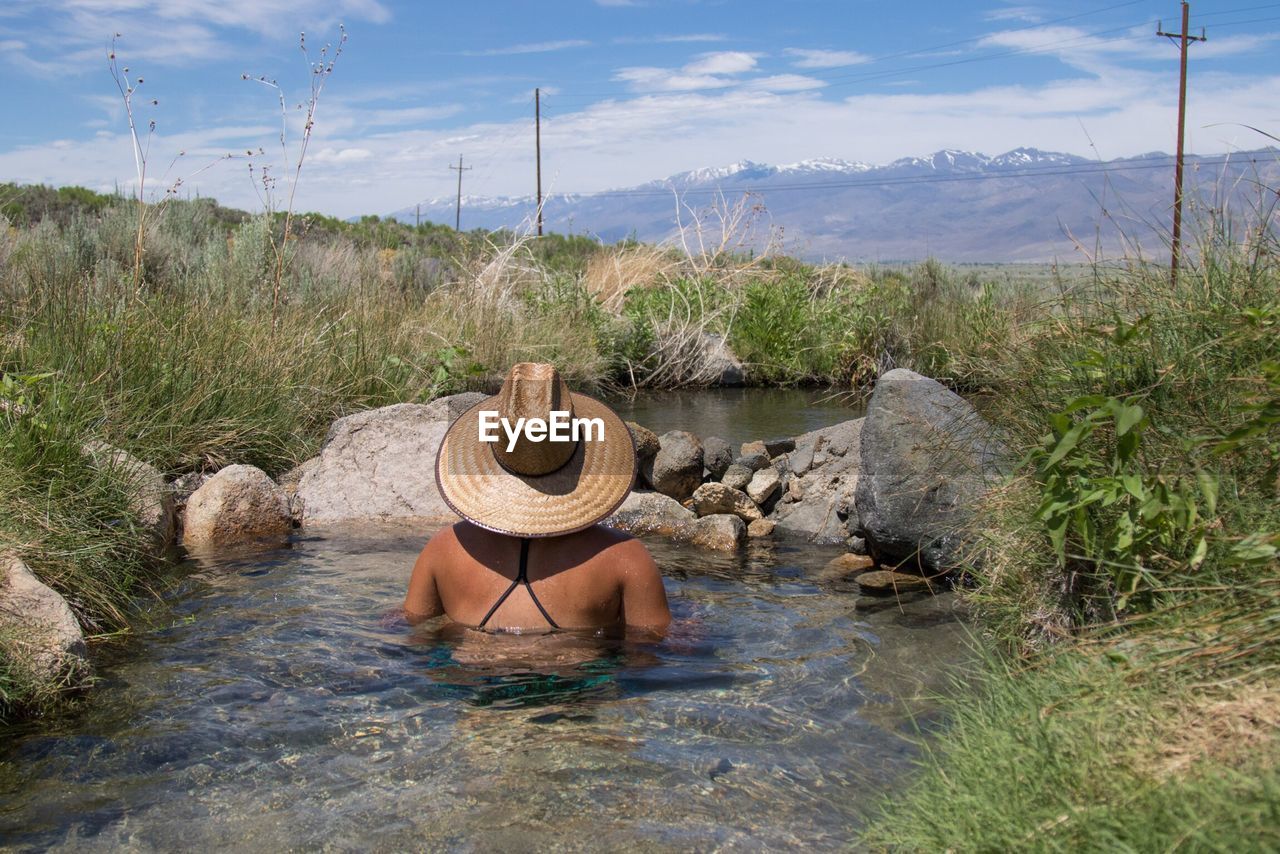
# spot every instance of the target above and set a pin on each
(1126, 576)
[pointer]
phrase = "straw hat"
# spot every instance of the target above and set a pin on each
(537, 488)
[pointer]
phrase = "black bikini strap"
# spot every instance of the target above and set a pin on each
(521, 577)
(524, 576)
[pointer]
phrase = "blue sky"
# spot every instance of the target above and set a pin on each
(633, 90)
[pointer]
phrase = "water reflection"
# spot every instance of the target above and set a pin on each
(739, 415)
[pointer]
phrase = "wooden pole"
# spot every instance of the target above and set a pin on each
(457, 216)
(537, 142)
(1183, 40)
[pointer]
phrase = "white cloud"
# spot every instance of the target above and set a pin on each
(71, 36)
(708, 71)
(784, 83)
(1013, 13)
(723, 62)
(825, 58)
(672, 39)
(535, 47)
(343, 155)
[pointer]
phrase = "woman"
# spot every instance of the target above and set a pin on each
(532, 472)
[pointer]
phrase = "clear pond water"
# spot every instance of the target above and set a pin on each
(273, 701)
(740, 414)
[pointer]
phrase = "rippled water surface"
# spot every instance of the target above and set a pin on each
(274, 704)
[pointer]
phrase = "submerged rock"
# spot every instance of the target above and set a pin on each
(714, 498)
(928, 458)
(676, 470)
(239, 504)
(882, 582)
(39, 635)
(850, 563)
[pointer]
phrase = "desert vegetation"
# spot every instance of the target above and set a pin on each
(1126, 583)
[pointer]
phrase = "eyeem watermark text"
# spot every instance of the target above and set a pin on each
(560, 427)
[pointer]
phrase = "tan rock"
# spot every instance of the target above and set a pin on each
(722, 532)
(713, 498)
(850, 563)
(651, 513)
(884, 582)
(761, 528)
(750, 448)
(39, 634)
(238, 504)
(764, 484)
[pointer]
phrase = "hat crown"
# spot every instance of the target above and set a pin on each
(533, 390)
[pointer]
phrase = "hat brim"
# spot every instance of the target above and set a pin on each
(585, 490)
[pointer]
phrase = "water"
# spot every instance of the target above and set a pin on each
(740, 415)
(274, 704)
(274, 701)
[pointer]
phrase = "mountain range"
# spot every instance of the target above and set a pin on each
(1025, 205)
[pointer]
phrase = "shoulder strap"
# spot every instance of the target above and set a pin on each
(522, 577)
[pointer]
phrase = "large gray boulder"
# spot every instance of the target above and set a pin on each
(40, 637)
(379, 465)
(239, 504)
(927, 460)
(676, 470)
(824, 470)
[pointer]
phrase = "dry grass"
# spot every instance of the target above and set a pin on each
(1229, 726)
(609, 275)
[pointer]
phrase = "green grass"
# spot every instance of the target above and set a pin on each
(1129, 580)
(1083, 753)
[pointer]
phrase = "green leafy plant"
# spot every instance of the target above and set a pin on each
(1126, 528)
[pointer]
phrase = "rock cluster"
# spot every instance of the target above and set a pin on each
(900, 484)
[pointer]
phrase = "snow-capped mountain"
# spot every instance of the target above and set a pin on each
(1022, 205)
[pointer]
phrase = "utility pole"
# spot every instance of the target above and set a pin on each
(537, 142)
(417, 216)
(457, 216)
(1183, 40)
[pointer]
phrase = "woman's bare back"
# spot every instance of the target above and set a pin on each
(590, 579)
